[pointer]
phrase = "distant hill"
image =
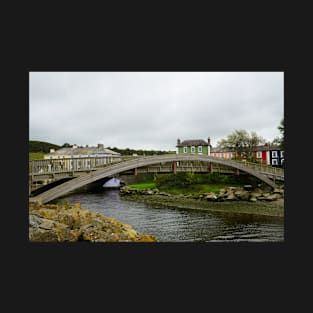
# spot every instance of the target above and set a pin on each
(128, 151)
(41, 146)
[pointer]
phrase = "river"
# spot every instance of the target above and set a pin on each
(181, 225)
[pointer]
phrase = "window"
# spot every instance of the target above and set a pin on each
(259, 154)
(193, 149)
(185, 149)
(274, 162)
(281, 154)
(200, 149)
(274, 154)
(229, 155)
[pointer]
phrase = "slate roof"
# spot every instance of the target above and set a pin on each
(192, 142)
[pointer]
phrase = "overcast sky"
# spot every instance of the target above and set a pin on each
(150, 110)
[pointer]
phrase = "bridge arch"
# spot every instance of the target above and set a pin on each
(116, 168)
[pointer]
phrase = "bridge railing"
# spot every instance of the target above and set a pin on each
(263, 168)
(48, 166)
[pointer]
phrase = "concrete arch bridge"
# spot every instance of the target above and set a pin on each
(90, 174)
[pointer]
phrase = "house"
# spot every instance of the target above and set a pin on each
(276, 157)
(194, 146)
(84, 154)
(76, 152)
(222, 153)
(261, 154)
(270, 155)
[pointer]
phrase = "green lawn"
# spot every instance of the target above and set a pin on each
(35, 156)
(150, 185)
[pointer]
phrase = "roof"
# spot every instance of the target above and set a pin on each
(192, 142)
(258, 148)
(265, 148)
(83, 151)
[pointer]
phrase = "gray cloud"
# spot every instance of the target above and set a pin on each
(150, 110)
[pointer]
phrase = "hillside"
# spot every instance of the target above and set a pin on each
(41, 146)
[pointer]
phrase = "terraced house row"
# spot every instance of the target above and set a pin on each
(270, 155)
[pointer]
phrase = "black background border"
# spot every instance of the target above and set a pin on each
(233, 268)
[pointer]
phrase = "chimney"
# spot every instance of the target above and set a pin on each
(74, 146)
(178, 141)
(209, 141)
(100, 146)
(52, 150)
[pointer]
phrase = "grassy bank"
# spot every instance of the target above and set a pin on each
(35, 156)
(176, 187)
(144, 185)
(195, 189)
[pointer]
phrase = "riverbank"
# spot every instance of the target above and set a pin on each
(232, 200)
(70, 223)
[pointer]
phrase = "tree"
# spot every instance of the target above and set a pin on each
(280, 141)
(241, 142)
(281, 128)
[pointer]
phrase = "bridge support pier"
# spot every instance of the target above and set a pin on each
(135, 171)
(211, 167)
(174, 167)
(237, 172)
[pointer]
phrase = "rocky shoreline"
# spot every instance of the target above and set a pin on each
(71, 223)
(231, 199)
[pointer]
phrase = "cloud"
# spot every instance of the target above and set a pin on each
(150, 110)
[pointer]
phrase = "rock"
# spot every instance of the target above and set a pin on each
(45, 230)
(211, 196)
(255, 194)
(273, 197)
(71, 223)
(253, 199)
(244, 195)
(248, 187)
(278, 190)
(146, 238)
(231, 196)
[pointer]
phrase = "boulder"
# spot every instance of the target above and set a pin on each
(248, 187)
(211, 196)
(244, 195)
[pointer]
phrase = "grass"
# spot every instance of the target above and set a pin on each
(144, 185)
(35, 156)
(193, 189)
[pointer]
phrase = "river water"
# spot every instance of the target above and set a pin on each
(181, 225)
